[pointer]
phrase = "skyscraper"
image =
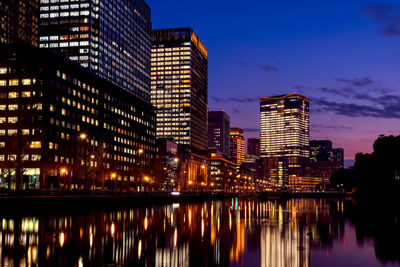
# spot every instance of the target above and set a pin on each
(19, 22)
(179, 86)
(237, 145)
(218, 132)
(111, 38)
(284, 131)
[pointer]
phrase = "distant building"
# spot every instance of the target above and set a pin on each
(253, 147)
(223, 174)
(237, 145)
(338, 155)
(111, 38)
(320, 150)
(284, 132)
(218, 132)
(19, 21)
(179, 87)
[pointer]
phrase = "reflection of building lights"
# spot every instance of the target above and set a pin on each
(80, 262)
(91, 240)
(112, 229)
(145, 223)
(175, 237)
(139, 248)
(62, 239)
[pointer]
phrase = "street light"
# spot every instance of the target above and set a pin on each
(63, 172)
(84, 136)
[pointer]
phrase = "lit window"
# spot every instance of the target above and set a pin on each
(3, 70)
(3, 107)
(35, 157)
(26, 81)
(2, 132)
(3, 82)
(12, 132)
(13, 107)
(2, 158)
(37, 106)
(2, 119)
(12, 119)
(26, 94)
(13, 94)
(51, 145)
(36, 144)
(52, 108)
(12, 157)
(13, 82)
(25, 131)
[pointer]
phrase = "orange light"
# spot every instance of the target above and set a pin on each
(212, 184)
(63, 170)
(113, 175)
(190, 182)
(140, 151)
(146, 178)
(83, 136)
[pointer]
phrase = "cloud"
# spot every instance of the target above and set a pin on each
(264, 67)
(242, 63)
(236, 110)
(330, 127)
(252, 130)
(359, 82)
(386, 15)
(235, 99)
(333, 91)
(385, 108)
(268, 68)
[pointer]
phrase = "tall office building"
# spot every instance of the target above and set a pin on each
(237, 145)
(179, 86)
(19, 22)
(284, 131)
(218, 132)
(253, 147)
(111, 38)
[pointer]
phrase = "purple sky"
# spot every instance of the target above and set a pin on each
(342, 54)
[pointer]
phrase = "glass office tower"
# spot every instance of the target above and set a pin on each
(284, 132)
(179, 86)
(111, 38)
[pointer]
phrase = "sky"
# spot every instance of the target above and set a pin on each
(343, 54)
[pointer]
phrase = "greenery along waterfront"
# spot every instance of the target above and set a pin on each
(377, 173)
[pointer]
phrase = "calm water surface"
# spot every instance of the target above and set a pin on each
(236, 232)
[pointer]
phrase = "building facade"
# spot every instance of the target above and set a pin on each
(321, 150)
(219, 132)
(111, 38)
(19, 22)
(237, 145)
(63, 127)
(179, 87)
(284, 132)
(338, 155)
(253, 147)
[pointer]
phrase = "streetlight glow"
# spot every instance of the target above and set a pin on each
(83, 136)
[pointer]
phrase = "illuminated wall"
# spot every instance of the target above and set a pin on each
(237, 145)
(179, 86)
(284, 132)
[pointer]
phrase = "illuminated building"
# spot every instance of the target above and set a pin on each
(111, 38)
(284, 132)
(193, 169)
(19, 22)
(218, 132)
(60, 124)
(179, 86)
(237, 145)
(223, 174)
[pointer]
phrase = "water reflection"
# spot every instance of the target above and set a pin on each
(237, 232)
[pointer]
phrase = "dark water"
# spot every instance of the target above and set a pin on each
(237, 232)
